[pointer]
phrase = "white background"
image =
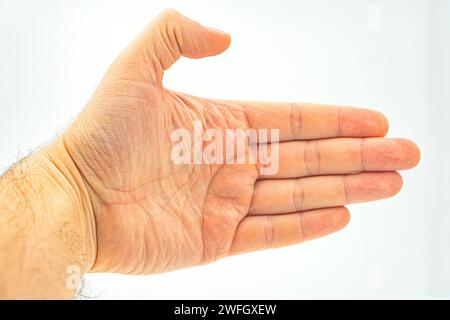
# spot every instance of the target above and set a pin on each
(389, 55)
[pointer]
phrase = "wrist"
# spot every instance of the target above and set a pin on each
(76, 205)
(47, 228)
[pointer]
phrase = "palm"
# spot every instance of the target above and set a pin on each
(196, 207)
(153, 215)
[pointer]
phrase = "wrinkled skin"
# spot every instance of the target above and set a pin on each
(153, 215)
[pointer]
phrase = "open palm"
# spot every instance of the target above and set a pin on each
(154, 215)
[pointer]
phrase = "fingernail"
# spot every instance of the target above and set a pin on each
(216, 30)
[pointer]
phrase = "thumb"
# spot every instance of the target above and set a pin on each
(168, 37)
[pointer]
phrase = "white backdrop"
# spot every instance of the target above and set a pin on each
(389, 55)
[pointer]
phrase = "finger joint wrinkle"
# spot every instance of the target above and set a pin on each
(361, 155)
(296, 121)
(298, 195)
(269, 232)
(312, 157)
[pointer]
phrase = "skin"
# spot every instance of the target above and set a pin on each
(136, 212)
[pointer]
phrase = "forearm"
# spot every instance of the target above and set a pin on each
(47, 228)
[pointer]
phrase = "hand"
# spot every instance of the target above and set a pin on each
(153, 215)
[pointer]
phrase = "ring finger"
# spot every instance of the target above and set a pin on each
(293, 195)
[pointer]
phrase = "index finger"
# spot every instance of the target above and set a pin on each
(305, 121)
